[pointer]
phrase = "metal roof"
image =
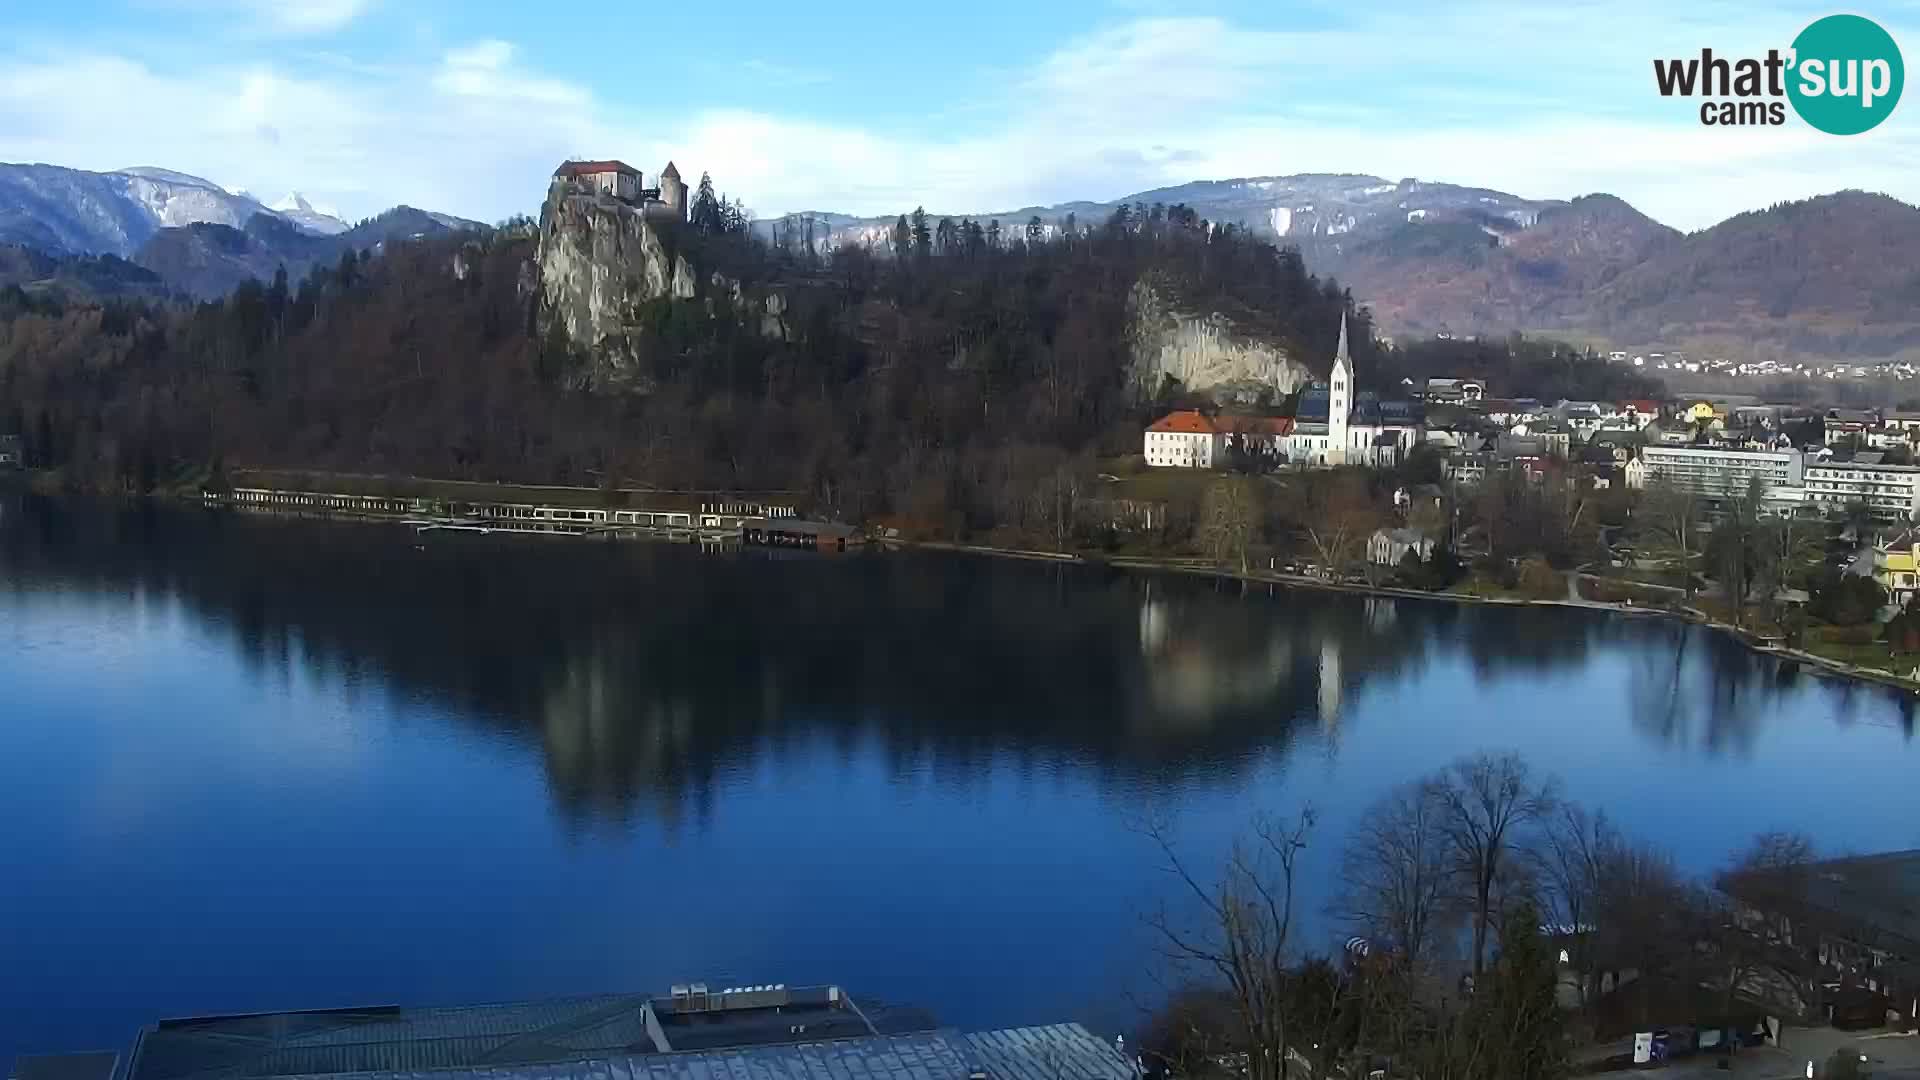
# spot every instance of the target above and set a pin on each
(381, 1040)
(1056, 1052)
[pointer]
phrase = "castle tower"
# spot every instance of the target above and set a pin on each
(673, 191)
(1339, 400)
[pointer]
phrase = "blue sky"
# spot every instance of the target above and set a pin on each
(466, 105)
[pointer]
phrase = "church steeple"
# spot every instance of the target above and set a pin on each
(1339, 399)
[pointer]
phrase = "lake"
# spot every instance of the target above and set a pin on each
(254, 764)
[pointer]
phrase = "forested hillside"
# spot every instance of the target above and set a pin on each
(956, 386)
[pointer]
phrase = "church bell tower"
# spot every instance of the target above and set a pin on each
(1339, 400)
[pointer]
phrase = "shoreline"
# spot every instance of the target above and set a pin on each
(1690, 615)
(1198, 568)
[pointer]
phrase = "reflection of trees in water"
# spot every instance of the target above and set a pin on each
(647, 673)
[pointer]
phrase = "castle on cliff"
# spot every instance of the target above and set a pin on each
(621, 181)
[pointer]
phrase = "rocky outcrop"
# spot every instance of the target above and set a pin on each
(600, 259)
(1202, 351)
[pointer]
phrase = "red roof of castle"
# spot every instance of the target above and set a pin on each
(589, 168)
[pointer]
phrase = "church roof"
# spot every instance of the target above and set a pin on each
(669, 171)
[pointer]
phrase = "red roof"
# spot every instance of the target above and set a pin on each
(1257, 425)
(1186, 422)
(1644, 406)
(589, 168)
(1194, 422)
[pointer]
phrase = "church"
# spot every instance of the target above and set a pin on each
(1337, 424)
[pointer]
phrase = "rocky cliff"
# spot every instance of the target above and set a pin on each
(1203, 352)
(598, 260)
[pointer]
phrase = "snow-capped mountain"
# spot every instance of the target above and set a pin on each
(76, 212)
(295, 208)
(86, 213)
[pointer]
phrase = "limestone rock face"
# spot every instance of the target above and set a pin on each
(598, 259)
(1202, 351)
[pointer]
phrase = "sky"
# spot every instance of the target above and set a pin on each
(466, 106)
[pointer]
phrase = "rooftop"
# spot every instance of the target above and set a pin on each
(763, 1033)
(590, 168)
(1185, 422)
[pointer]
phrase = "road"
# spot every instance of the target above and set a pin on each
(1889, 1057)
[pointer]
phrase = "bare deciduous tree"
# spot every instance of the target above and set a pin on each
(1397, 873)
(1340, 516)
(1244, 937)
(1489, 799)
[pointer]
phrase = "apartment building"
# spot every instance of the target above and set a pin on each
(1892, 492)
(1722, 472)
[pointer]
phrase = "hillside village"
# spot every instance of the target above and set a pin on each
(1846, 479)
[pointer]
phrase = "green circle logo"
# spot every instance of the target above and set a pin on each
(1846, 76)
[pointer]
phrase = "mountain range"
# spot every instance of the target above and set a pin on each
(1825, 277)
(191, 235)
(1830, 277)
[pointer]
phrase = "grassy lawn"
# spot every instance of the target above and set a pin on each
(1820, 641)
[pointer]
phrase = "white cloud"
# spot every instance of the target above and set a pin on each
(281, 16)
(475, 129)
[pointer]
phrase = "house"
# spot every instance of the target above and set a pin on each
(1620, 445)
(1902, 419)
(1581, 417)
(1841, 423)
(1896, 565)
(11, 456)
(1387, 547)
(1454, 391)
(1634, 474)
(1854, 915)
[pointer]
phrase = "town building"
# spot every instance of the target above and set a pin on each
(11, 456)
(752, 1033)
(1387, 547)
(1189, 438)
(1854, 915)
(1891, 492)
(1454, 391)
(1896, 564)
(1840, 423)
(1720, 473)
(1185, 438)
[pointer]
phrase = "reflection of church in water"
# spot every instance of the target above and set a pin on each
(1196, 663)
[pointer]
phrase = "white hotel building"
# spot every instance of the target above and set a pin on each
(1790, 479)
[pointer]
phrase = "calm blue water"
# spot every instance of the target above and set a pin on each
(249, 764)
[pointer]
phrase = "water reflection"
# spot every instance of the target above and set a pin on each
(645, 674)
